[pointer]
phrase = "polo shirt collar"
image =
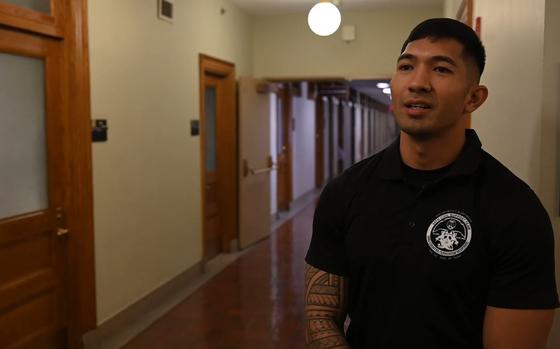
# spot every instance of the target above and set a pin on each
(390, 166)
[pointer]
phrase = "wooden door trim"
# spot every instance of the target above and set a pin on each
(228, 171)
(215, 66)
(32, 21)
(465, 14)
(21, 44)
(79, 205)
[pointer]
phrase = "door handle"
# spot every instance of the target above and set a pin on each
(62, 231)
(250, 171)
(61, 222)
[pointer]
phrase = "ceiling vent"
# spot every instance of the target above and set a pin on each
(166, 10)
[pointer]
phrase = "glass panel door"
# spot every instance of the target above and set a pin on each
(23, 179)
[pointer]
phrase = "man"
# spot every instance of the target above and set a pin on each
(431, 243)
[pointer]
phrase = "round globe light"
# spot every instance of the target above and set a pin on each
(324, 19)
(382, 85)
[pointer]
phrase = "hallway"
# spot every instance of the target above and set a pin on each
(256, 302)
(125, 167)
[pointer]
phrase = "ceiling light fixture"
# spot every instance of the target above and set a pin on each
(382, 85)
(324, 18)
(387, 91)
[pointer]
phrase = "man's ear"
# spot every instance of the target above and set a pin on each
(476, 98)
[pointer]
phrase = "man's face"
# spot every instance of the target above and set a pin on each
(431, 87)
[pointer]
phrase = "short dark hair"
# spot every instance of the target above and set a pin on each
(441, 28)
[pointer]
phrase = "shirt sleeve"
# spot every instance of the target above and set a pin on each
(327, 250)
(523, 275)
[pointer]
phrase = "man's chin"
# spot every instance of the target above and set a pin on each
(419, 133)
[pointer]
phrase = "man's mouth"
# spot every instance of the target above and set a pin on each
(417, 106)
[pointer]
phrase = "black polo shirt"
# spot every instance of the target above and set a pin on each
(424, 261)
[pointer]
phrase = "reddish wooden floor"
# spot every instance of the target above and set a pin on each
(256, 302)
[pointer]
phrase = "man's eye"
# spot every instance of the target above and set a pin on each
(442, 70)
(404, 67)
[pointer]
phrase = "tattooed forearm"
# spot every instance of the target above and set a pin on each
(325, 311)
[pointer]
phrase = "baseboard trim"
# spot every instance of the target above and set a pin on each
(127, 324)
(296, 206)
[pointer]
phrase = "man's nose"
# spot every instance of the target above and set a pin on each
(420, 81)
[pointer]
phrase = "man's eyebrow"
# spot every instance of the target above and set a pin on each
(438, 58)
(406, 56)
(444, 59)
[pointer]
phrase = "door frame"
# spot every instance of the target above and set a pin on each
(68, 23)
(465, 14)
(227, 149)
(83, 310)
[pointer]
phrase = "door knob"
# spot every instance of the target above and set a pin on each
(61, 222)
(62, 231)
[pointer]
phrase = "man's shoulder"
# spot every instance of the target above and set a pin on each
(505, 186)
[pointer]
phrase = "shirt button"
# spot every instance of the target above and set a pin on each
(411, 224)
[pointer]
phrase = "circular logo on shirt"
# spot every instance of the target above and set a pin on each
(449, 234)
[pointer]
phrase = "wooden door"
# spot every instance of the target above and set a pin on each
(284, 155)
(341, 151)
(334, 147)
(46, 250)
(33, 241)
(346, 133)
(255, 161)
(218, 155)
(319, 141)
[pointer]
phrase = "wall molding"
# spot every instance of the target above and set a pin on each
(130, 322)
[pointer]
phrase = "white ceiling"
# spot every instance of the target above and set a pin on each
(270, 7)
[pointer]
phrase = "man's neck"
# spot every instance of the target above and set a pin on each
(431, 153)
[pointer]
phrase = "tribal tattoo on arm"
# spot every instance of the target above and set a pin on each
(325, 309)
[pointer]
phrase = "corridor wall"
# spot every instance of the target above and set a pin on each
(144, 81)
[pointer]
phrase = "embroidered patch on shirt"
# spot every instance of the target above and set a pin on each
(450, 234)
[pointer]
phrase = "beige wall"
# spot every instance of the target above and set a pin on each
(450, 8)
(144, 81)
(548, 188)
(509, 123)
(518, 122)
(285, 47)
